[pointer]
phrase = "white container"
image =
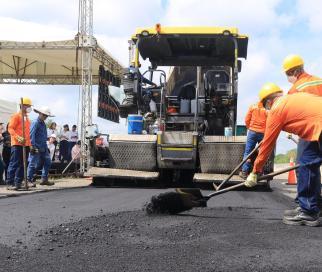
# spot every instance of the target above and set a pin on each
(153, 106)
(201, 106)
(228, 131)
(185, 106)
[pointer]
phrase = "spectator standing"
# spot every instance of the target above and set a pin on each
(51, 146)
(15, 171)
(1, 161)
(76, 154)
(39, 155)
(52, 129)
(64, 151)
(73, 137)
(6, 150)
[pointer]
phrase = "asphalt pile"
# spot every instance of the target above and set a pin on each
(209, 239)
(165, 203)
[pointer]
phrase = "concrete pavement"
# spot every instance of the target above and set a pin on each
(60, 184)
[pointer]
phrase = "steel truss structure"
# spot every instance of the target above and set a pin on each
(54, 62)
(68, 62)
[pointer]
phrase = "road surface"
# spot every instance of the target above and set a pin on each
(105, 229)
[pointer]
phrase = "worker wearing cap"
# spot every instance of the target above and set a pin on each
(300, 114)
(19, 139)
(255, 121)
(39, 154)
(293, 66)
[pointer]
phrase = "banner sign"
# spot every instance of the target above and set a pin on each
(107, 105)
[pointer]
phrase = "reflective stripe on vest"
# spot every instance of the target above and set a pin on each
(309, 84)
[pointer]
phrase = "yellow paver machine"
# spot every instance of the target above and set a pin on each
(186, 102)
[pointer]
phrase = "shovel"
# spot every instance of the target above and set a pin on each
(184, 199)
(236, 168)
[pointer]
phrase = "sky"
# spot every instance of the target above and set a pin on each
(275, 28)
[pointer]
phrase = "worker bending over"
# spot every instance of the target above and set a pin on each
(300, 114)
(255, 121)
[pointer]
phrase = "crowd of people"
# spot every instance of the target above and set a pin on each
(33, 146)
(66, 139)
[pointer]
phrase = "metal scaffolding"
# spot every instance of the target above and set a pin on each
(86, 44)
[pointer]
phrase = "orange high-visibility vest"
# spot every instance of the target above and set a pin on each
(308, 84)
(15, 129)
(256, 118)
(299, 114)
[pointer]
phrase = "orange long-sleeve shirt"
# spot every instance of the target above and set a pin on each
(308, 84)
(15, 129)
(299, 114)
(256, 118)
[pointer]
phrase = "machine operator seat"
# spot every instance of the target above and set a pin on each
(216, 82)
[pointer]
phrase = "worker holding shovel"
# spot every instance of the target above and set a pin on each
(19, 129)
(300, 114)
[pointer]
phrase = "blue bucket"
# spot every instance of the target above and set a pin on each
(135, 124)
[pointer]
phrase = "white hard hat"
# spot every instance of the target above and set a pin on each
(44, 110)
(53, 135)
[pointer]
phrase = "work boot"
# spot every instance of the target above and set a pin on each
(302, 218)
(46, 182)
(31, 184)
(243, 175)
(288, 213)
(12, 187)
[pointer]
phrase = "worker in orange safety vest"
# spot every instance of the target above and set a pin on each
(293, 66)
(255, 121)
(300, 114)
(15, 170)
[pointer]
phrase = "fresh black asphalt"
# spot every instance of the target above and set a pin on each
(105, 229)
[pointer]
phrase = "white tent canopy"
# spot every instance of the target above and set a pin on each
(54, 62)
(7, 108)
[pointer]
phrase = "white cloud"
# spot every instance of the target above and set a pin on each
(249, 15)
(18, 30)
(311, 11)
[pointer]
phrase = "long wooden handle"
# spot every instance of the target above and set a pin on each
(237, 167)
(268, 176)
(24, 155)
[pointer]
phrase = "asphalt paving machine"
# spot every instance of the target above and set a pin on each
(187, 100)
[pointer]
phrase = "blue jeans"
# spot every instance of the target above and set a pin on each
(1, 169)
(39, 160)
(15, 168)
(309, 176)
(253, 138)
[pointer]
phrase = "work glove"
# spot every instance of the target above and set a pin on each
(251, 180)
(33, 150)
(20, 139)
